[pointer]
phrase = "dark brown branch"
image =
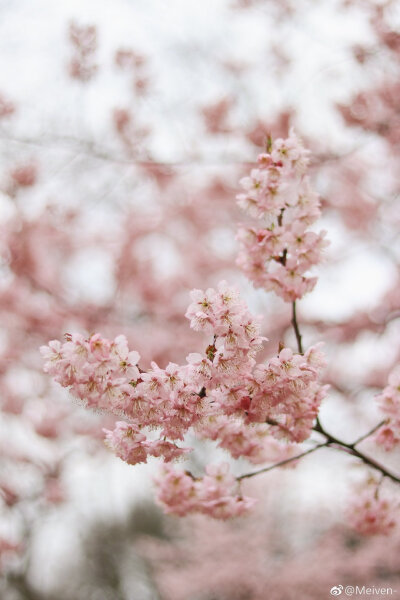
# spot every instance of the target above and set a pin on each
(334, 442)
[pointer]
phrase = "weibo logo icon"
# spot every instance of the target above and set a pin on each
(336, 590)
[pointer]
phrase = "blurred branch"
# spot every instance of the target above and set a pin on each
(96, 151)
(92, 149)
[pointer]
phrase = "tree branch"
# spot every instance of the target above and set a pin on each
(283, 462)
(334, 442)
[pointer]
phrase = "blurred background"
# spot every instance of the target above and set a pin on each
(125, 127)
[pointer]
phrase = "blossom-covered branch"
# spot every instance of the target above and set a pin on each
(257, 411)
(276, 255)
(248, 408)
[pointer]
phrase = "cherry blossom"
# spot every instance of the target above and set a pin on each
(254, 406)
(388, 435)
(221, 394)
(371, 513)
(215, 494)
(278, 192)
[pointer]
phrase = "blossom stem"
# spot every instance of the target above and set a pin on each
(296, 328)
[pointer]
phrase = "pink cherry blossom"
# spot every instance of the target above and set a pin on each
(373, 514)
(221, 394)
(277, 255)
(388, 401)
(216, 494)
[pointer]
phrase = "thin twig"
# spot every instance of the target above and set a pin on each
(283, 462)
(296, 328)
(364, 437)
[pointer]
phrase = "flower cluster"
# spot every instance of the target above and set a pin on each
(287, 393)
(279, 398)
(236, 335)
(131, 445)
(221, 394)
(84, 45)
(278, 192)
(97, 370)
(215, 494)
(371, 514)
(104, 374)
(388, 435)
